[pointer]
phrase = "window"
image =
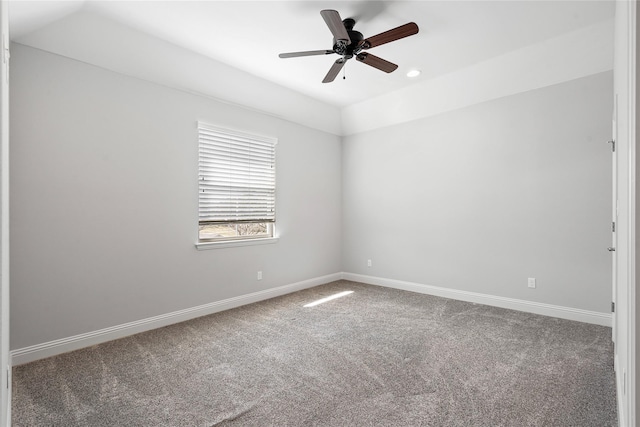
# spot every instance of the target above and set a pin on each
(237, 185)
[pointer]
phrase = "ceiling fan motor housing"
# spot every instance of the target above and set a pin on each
(348, 50)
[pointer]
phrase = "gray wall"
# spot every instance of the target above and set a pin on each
(481, 198)
(104, 201)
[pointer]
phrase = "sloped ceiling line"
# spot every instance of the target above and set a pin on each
(569, 56)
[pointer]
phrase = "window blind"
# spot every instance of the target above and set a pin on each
(237, 176)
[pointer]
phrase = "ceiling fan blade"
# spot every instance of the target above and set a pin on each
(306, 53)
(334, 70)
(397, 33)
(334, 22)
(376, 62)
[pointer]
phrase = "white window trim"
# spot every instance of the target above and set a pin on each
(201, 246)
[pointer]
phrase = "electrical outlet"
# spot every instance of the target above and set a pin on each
(531, 282)
(259, 275)
(368, 263)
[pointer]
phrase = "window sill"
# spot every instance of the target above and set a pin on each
(231, 244)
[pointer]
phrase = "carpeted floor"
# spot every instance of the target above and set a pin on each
(376, 357)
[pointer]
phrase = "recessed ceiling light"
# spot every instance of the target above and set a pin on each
(413, 73)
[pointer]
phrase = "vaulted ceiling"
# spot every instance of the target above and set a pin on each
(249, 35)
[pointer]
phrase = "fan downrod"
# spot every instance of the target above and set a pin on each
(349, 23)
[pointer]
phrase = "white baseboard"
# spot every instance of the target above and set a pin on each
(603, 319)
(52, 348)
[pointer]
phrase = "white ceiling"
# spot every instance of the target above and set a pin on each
(249, 35)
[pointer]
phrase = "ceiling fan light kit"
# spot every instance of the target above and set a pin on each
(349, 43)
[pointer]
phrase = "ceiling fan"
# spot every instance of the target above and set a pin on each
(349, 43)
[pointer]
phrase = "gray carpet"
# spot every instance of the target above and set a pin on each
(376, 357)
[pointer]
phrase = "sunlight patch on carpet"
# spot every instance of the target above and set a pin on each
(329, 298)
